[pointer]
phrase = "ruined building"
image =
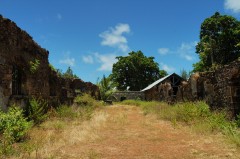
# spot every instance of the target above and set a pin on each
(164, 89)
(219, 88)
(25, 71)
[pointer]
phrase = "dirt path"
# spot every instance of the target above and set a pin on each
(126, 133)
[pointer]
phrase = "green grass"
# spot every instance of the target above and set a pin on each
(196, 115)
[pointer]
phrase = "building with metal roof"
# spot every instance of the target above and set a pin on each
(164, 88)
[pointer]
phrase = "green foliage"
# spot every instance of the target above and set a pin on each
(13, 124)
(69, 74)
(163, 73)
(82, 109)
(34, 65)
(106, 87)
(135, 71)
(65, 111)
(86, 100)
(219, 39)
(52, 68)
(36, 110)
(184, 74)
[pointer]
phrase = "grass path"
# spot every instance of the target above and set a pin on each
(123, 132)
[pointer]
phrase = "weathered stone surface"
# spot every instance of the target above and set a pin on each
(220, 88)
(25, 71)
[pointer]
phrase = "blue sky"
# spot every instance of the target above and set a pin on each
(87, 35)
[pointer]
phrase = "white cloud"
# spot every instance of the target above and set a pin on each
(233, 5)
(88, 59)
(163, 51)
(187, 50)
(59, 16)
(167, 68)
(114, 37)
(106, 60)
(68, 61)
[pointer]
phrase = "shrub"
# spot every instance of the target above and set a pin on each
(13, 125)
(36, 110)
(83, 108)
(86, 100)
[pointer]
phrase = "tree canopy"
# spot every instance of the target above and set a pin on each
(135, 71)
(219, 42)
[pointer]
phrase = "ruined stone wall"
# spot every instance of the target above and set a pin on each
(17, 50)
(25, 71)
(153, 94)
(220, 88)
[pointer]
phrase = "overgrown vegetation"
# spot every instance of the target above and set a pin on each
(197, 115)
(36, 110)
(14, 127)
(106, 87)
(34, 65)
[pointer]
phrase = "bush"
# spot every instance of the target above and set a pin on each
(13, 125)
(36, 110)
(83, 108)
(86, 100)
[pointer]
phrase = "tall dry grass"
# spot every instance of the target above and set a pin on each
(65, 127)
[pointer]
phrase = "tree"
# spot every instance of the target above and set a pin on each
(69, 74)
(163, 73)
(184, 74)
(106, 87)
(219, 42)
(135, 71)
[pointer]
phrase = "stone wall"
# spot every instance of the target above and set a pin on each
(17, 51)
(219, 88)
(25, 71)
(124, 95)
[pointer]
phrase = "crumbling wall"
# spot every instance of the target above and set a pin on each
(153, 94)
(18, 54)
(219, 88)
(25, 71)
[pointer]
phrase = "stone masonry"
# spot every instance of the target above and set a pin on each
(25, 71)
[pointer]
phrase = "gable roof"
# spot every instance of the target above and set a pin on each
(157, 82)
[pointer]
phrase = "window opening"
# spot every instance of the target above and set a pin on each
(16, 81)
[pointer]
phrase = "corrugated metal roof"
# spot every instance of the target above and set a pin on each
(156, 82)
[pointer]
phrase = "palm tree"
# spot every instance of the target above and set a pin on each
(106, 87)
